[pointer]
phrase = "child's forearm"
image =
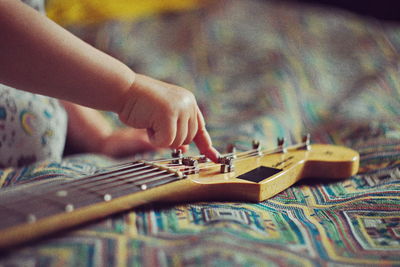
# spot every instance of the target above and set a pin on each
(87, 127)
(39, 56)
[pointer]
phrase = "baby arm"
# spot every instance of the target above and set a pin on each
(39, 56)
(90, 132)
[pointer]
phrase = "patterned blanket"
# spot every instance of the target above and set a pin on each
(260, 70)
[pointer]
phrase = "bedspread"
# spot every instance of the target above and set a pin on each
(260, 70)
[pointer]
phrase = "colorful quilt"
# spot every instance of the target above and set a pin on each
(260, 70)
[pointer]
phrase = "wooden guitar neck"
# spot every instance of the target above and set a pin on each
(32, 211)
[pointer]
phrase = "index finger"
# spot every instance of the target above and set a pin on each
(203, 139)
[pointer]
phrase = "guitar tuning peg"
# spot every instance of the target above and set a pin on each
(256, 146)
(203, 159)
(306, 140)
(192, 165)
(281, 144)
(226, 164)
(231, 149)
(177, 156)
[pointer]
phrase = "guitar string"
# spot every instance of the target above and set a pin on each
(19, 205)
(187, 169)
(117, 189)
(104, 179)
(153, 177)
(107, 176)
(137, 169)
(124, 179)
(201, 156)
(135, 181)
(67, 185)
(132, 178)
(249, 155)
(79, 197)
(117, 166)
(265, 151)
(249, 152)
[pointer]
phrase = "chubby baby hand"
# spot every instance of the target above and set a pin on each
(168, 112)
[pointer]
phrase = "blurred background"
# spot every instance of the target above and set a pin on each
(68, 12)
(259, 69)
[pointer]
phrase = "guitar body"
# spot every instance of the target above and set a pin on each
(253, 176)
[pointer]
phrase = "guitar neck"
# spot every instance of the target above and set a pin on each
(28, 212)
(32, 211)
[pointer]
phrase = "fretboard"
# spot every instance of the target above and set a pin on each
(28, 204)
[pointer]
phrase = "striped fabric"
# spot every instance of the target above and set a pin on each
(259, 70)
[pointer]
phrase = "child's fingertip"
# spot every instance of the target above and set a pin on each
(212, 154)
(217, 155)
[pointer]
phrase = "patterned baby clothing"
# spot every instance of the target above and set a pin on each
(32, 127)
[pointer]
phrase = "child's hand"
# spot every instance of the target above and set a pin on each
(35, 45)
(168, 112)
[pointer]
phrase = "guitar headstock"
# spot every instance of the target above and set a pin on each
(257, 175)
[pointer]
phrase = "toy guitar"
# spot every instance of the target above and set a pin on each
(29, 212)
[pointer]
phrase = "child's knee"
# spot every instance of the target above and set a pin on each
(32, 128)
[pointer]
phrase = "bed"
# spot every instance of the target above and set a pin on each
(260, 70)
